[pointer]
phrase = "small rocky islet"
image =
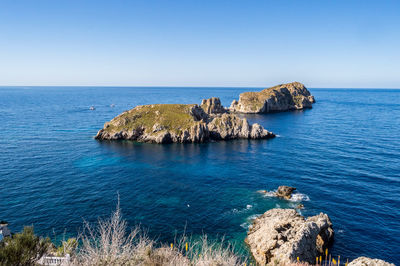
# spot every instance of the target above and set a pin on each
(209, 121)
(280, 98)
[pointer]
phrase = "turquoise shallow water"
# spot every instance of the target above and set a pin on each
(343, 156)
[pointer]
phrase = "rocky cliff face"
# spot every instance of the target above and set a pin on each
(212, 106)
(166, 123)
(279, 236)
(290, 96)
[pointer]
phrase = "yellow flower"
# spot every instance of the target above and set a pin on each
(186, 247)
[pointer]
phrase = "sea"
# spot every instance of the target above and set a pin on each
(343, 156)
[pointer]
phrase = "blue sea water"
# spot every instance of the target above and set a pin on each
(343, 156)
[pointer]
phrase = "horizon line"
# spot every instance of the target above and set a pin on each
(171, 86)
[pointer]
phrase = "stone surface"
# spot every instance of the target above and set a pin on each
(212, 106)
(285, 192)
(166, 123)
(290, 96)
(364, 261)
(279, 236)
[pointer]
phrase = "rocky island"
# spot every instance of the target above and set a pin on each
(285, 97)
(183, 123)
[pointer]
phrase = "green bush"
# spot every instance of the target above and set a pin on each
(23, 248)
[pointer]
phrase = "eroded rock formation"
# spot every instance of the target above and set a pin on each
(212, 106)
(279, 236)
(290, 96)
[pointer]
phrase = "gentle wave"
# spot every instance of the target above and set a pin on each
(248, 207)
(297, 197)
(249, 221)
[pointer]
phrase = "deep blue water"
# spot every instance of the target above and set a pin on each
(344, 155)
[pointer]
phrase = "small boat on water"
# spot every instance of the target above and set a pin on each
(112, 105)
(92, 108)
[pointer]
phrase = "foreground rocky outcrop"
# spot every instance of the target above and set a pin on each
(364, 261)
(279, 236)
(166, 123)
(290, 96)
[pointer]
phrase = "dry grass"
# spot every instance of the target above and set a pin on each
(110, 243)
(169, 116)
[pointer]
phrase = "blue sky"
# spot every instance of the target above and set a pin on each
(200, 43)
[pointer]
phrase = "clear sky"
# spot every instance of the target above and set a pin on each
(321, 43)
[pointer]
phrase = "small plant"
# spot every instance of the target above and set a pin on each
(67, 247)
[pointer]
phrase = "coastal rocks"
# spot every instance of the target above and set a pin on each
(285, 192)
(290, 96)
(280, 236)
(364, 261)
(166, 123)
(230, 126)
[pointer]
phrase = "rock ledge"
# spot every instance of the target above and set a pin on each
(279, 236)
(364, 261)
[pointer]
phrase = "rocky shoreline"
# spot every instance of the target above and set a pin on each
(285, 237)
